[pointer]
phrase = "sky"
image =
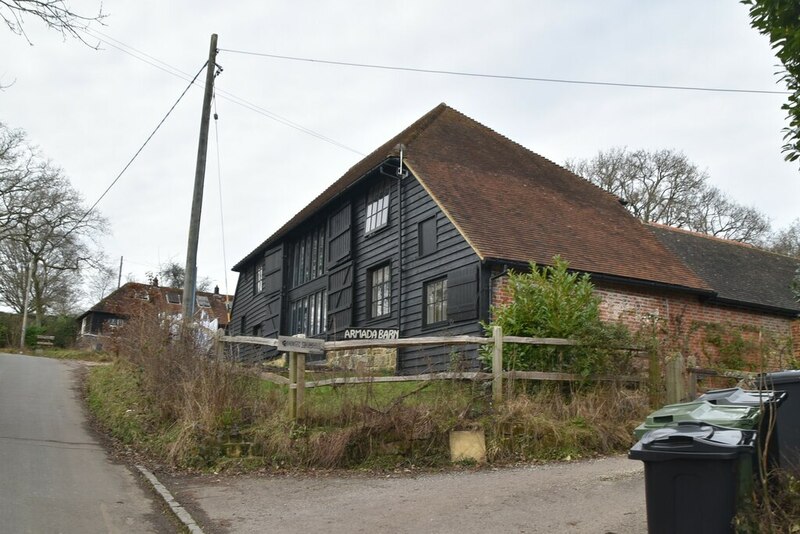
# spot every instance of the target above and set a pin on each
(89, 110)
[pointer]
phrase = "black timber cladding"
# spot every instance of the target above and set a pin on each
(351, 253)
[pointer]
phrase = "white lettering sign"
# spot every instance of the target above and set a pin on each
(371, 333)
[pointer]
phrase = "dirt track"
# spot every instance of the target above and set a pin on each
(596, 496)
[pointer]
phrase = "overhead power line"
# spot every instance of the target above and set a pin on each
(130, 162)
(507, 77)
(226, 95)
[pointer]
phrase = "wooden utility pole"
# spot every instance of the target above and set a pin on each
(190, 275)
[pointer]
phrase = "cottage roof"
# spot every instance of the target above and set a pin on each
(132, 296)
(738, 273)
(513, 205)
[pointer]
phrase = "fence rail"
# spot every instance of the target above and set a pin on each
(695, 373)
(297, 383)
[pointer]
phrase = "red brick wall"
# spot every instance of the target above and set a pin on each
(684, 323)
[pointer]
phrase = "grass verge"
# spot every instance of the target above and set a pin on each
(365, 426)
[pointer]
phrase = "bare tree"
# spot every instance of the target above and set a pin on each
(101, 281)
(47, 235)
(665, 187)
(20, 165)
(787, 240)
(173, 274)
(56, 14)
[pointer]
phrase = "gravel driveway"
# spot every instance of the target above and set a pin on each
(593, 496)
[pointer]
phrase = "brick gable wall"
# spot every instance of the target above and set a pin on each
(708, 334)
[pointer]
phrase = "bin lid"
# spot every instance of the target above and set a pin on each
(735, 416)
(744, 397)
(692, 441)
(782, 377)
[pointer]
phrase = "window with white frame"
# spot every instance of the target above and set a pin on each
(258, 285)
(377, 207)
(307, 314)
(379, 281)
(308, 257)
(435, 294)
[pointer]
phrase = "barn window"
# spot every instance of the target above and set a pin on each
(379, 281)
(435, 293)
(377, 207)
(307, 314)
(426, 234)
(258, 282)
(308, 257)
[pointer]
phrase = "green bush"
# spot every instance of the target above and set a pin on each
(64, 328)
(550, 301)
(31, 334)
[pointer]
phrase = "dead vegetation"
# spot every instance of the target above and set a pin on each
(168, 395)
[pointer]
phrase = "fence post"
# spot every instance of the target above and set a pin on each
(676, 370)
(300, 381)
(293, 386)
(497, 364)
(654, 378)
(692, 384)
(219, 345)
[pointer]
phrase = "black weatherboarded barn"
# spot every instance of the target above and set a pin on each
(410, 237)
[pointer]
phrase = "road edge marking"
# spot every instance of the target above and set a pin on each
(174, 505)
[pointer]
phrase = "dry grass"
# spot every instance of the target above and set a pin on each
(555, 424)
(196, 406)
(199, 401)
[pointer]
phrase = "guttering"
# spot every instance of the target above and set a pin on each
(753, 306)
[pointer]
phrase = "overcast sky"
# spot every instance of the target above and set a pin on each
(90, 110)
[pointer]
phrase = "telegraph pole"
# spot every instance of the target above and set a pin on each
(190, 274)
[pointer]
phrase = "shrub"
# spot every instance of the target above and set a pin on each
(200, 398)
(550, 301)
(32, 333)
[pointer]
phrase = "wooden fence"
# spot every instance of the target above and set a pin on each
(297, 363)
(682, 382)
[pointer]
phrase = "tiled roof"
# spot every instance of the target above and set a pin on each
(131, 296)
(737, 272)
(514, 205)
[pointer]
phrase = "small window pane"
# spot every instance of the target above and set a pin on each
(259, 278)
(380, 282)
(174, 298)
(377, 213)
(203, 301)
(436, 301)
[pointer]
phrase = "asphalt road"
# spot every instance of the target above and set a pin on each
(595, 496)
(55, 477)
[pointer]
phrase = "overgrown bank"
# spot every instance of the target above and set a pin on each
(357, 426)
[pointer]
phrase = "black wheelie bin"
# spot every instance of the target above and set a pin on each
(696, 475)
